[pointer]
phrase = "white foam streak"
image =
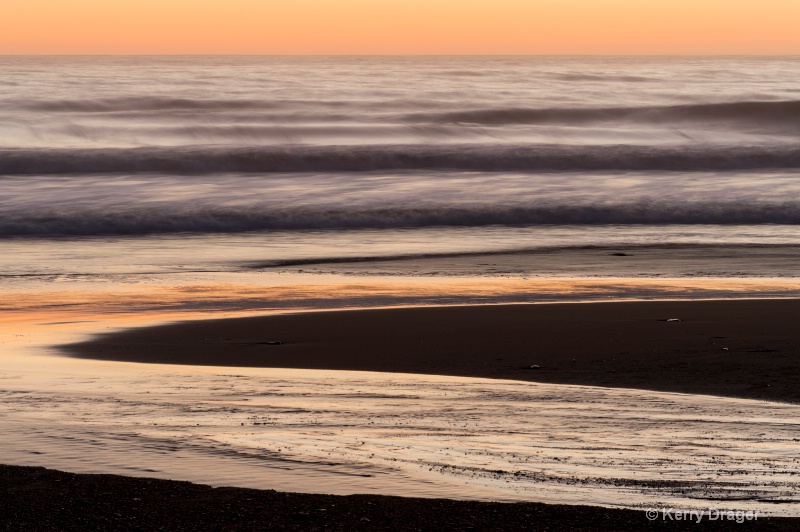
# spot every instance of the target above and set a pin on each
(147, 204)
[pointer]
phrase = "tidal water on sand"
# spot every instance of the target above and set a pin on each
(394, 434)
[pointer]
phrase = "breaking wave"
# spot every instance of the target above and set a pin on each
(755, 113)
(299, 158)
(172, 218)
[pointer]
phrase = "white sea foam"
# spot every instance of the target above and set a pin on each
(225, 203)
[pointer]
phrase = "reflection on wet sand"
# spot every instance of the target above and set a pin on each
(351, 432)
(76, 295)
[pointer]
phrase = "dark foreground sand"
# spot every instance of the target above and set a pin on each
(744, 348)
(33, 499)
(734, 348)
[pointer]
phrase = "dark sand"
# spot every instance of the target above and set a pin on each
(744, 348)
(34, 499)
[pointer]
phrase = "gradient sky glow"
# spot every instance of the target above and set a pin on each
(400, 27)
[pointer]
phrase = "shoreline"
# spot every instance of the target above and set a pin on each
(625, 261)
(645, 351)
(745, 348)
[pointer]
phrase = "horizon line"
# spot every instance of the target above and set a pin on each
(797, 54)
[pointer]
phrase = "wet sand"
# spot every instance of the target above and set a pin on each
(737, 348)
(687, 261)
(744, 348)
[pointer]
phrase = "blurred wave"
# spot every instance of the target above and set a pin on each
(232, 144)
(172, 217)
(294, 158)
(764, 114)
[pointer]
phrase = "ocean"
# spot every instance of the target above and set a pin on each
(230, 162)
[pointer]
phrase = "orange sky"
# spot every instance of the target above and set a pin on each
(400, 26)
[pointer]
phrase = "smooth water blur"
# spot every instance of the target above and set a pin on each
(174, 101)
(150, 145)
(229, 203)
(349, 432)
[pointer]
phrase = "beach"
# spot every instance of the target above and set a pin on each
(734, 348)
(428, 292)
